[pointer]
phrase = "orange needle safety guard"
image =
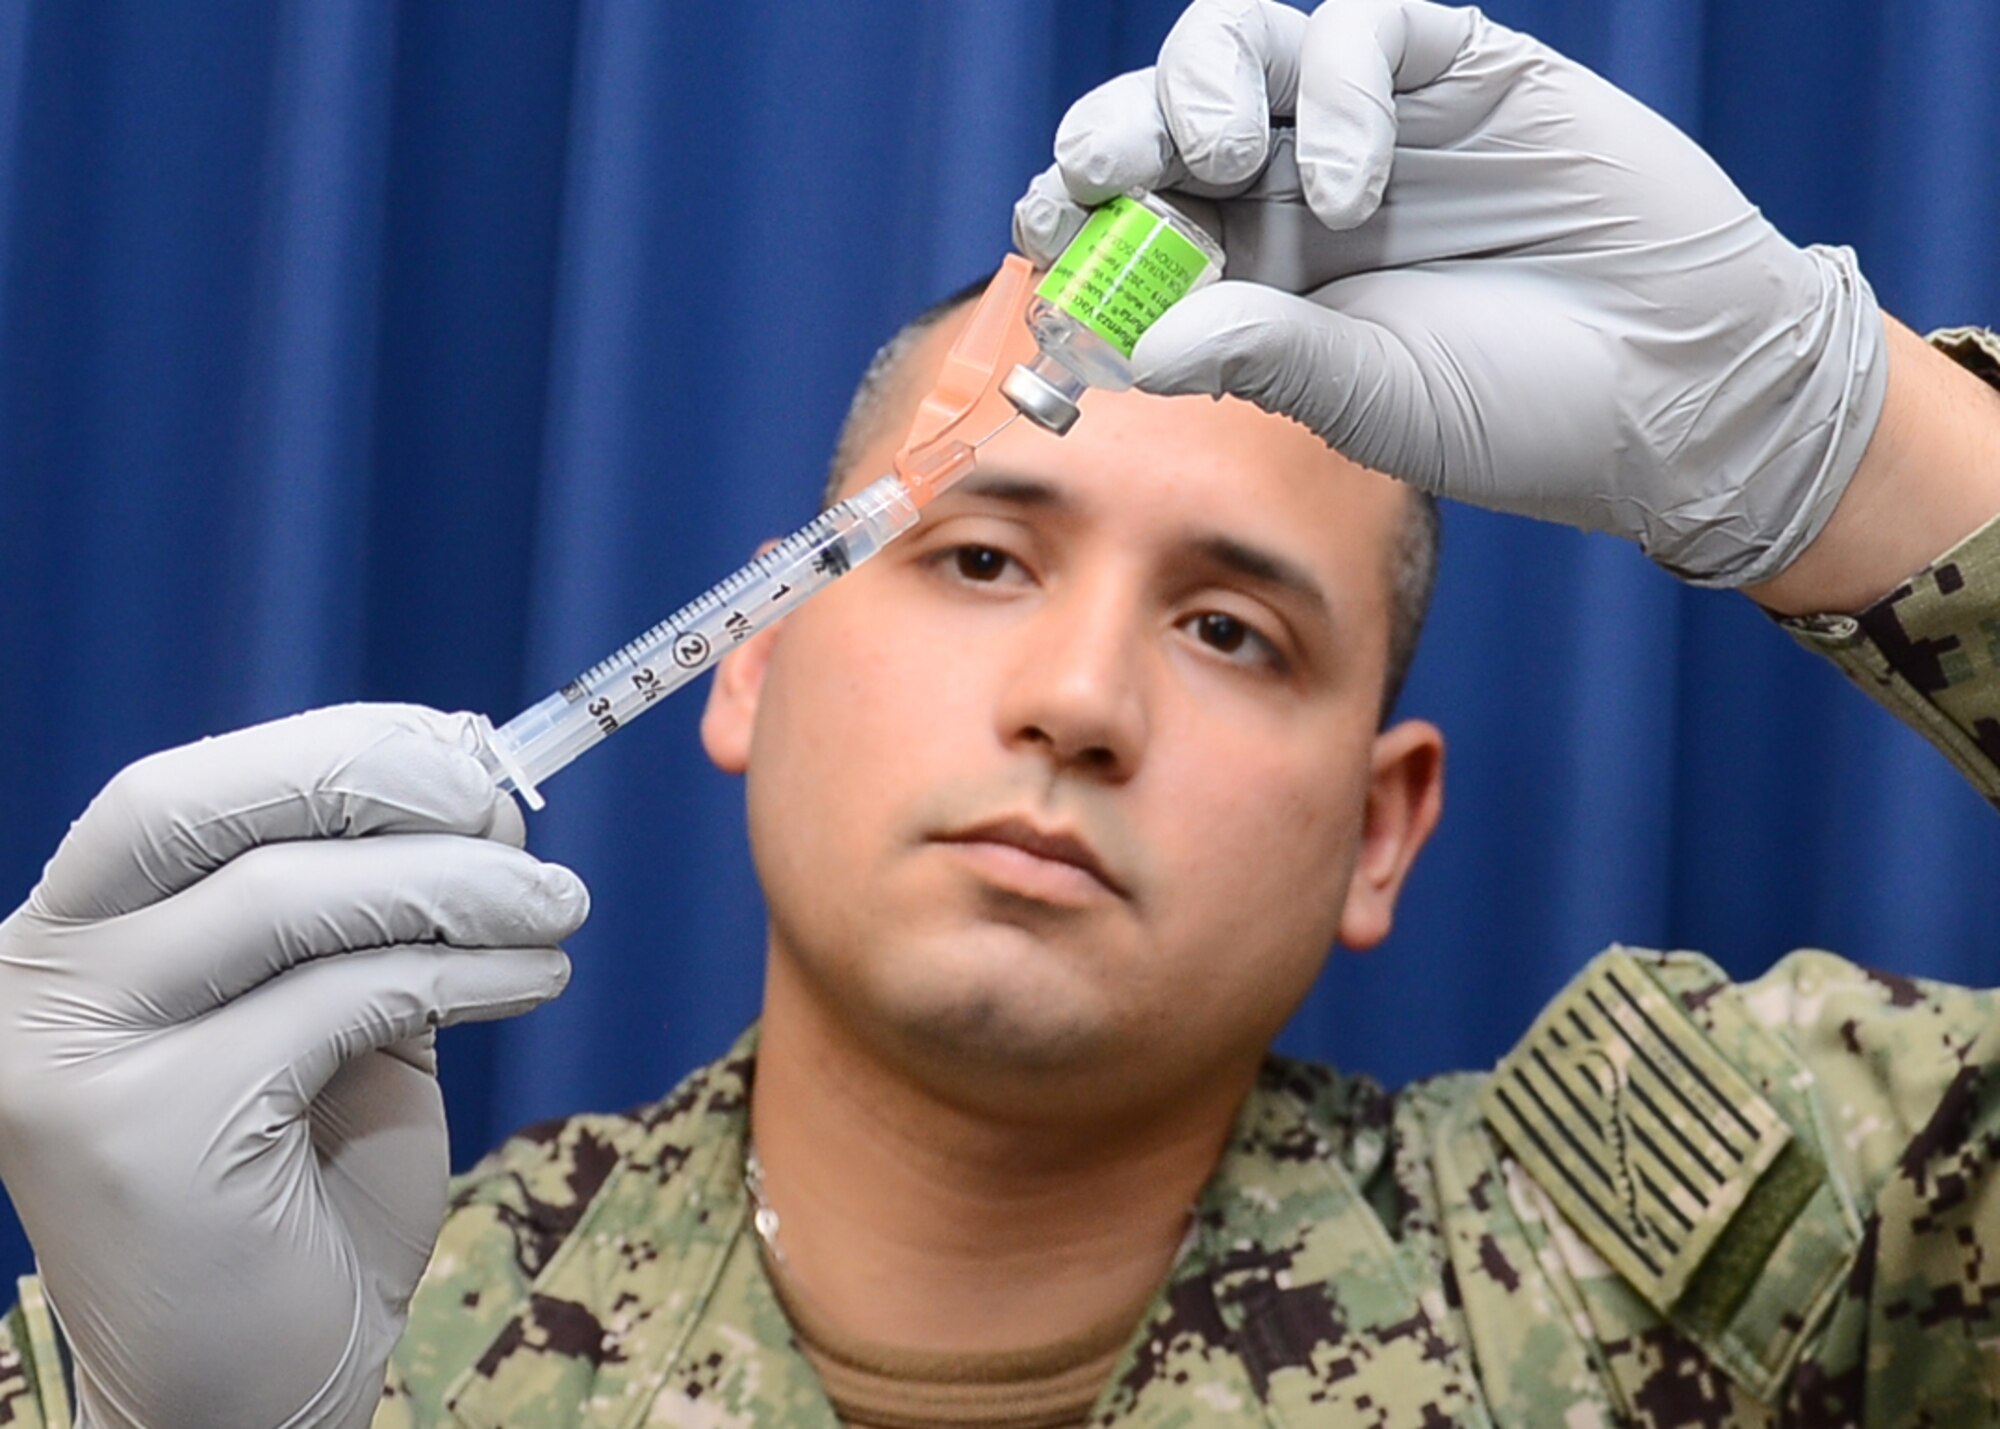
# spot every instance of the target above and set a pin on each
(931, 458)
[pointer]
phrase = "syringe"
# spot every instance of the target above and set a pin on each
(603, 699)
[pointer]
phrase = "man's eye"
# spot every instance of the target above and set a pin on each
(1223, 632)
(980, 563)
(1235, 638)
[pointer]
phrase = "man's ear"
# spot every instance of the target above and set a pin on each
(1405, 799)
(731, 712)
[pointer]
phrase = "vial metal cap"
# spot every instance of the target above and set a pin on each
(1039, 400)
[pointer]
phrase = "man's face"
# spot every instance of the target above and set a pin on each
(1076, 776)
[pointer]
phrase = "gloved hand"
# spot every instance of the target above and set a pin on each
(219, 1115)
(1518, 286)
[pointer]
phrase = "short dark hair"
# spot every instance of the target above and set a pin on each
(1412, 563)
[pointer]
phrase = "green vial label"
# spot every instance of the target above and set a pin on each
(1122, 271)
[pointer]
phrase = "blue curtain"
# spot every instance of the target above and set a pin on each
(364, 351)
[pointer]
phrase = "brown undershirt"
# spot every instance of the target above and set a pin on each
(880, 1387)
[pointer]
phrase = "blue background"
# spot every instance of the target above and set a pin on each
(427, 352)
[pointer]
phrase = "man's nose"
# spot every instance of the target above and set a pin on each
(1077, 688)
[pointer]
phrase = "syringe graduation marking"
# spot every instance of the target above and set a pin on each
(551, 733)
(831, 562)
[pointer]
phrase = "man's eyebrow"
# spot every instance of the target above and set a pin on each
(1266, 567)
(1251, 562)
(1012, 490)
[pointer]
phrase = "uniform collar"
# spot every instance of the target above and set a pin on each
(1289, 1289)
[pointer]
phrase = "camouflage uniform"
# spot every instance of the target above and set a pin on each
(1679, 1201)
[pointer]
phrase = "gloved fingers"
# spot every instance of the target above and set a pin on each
(175, 817)
(418, 1052)
(278, 906)
(1487, 391)
(1271, 237)
(294, 1033)
(1356, 57)
(378, 1130)
(1353, 382)
(1199, 122)
(1046, 218)
(1114, 139)
(1225, 68)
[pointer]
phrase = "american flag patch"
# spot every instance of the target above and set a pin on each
(1625, 1114)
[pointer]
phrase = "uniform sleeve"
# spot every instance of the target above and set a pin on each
(34, 1390)
(1930, 649)
(1726, 1203)
(1906, 1074)
(510, 1217)
(486, 1255)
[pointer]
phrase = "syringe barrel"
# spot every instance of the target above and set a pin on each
(536, 743)
(549, 734)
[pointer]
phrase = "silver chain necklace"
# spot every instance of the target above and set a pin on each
(765, 1217)
(762, 1216)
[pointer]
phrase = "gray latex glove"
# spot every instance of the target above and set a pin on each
(219, 1115)
(1521, 287)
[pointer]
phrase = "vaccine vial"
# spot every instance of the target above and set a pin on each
(1134, 258)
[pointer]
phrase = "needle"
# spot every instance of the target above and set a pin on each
(1005, 423)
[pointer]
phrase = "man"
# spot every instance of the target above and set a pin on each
(1007, 1148)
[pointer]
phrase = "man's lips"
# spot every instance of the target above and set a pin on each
(1052, 845)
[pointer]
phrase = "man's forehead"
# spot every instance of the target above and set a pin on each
(1233, 421)
(1258, 474)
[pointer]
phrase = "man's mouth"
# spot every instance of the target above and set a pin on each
(1054, 863)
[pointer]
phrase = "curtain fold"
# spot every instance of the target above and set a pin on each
(400, 352)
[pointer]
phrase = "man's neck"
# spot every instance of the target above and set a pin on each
(908, 1221)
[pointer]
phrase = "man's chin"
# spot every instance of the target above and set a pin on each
(996, 1011)
(979, 1012)
(993, 1036)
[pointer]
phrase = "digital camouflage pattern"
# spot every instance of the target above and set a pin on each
(1930, 649)
(1679, 1201)
(34, 1383)
(1360, 1257)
